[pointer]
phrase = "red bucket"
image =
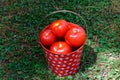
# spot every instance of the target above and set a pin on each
(63, 64)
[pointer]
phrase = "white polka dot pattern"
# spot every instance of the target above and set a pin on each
(62, 55)
(76, 55)
(67, 58)
(66, 70)
(55, 59)
(58, 65)
(66, 74)
(59, 62)
(69, 63)
(77, 64)
(73, 64)
(56, 56)
(68, 54)
(74, 72)
(72, 68)
(54, 62)
(56, 71)
(73, 55)
(65, 62)
(63, 65)
(70, 72)
(50, 57)
(68, 67)
(62, 68)
(57, 68)
(59, 74)
(71, 59)
(75, 69)
(75, 60)
(61, 59)
(51, 54)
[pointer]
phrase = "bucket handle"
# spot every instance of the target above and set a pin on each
(65, 11)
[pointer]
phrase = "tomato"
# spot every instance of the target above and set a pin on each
(47, 37)
(59, 27)
(75, 37)
(72, 25)
(60, 47)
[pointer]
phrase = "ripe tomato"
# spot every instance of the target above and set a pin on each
(47, 37)
(60, 47)
(59, 27)
(75, 37)
(72, 25)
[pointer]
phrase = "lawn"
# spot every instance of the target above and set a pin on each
(21, 56)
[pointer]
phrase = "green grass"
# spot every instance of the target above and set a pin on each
(22, 58)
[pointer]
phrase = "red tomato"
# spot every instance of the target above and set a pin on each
(47, 37)
(75, 37)
(59, 27)
(60, 48)
(72, 25)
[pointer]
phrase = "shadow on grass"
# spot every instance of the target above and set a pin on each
(88, 58)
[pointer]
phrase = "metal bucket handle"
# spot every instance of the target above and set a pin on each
(64, 11)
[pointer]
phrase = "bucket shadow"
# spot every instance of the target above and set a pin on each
(88, 58)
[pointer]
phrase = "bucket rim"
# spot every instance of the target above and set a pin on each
(80, 48)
